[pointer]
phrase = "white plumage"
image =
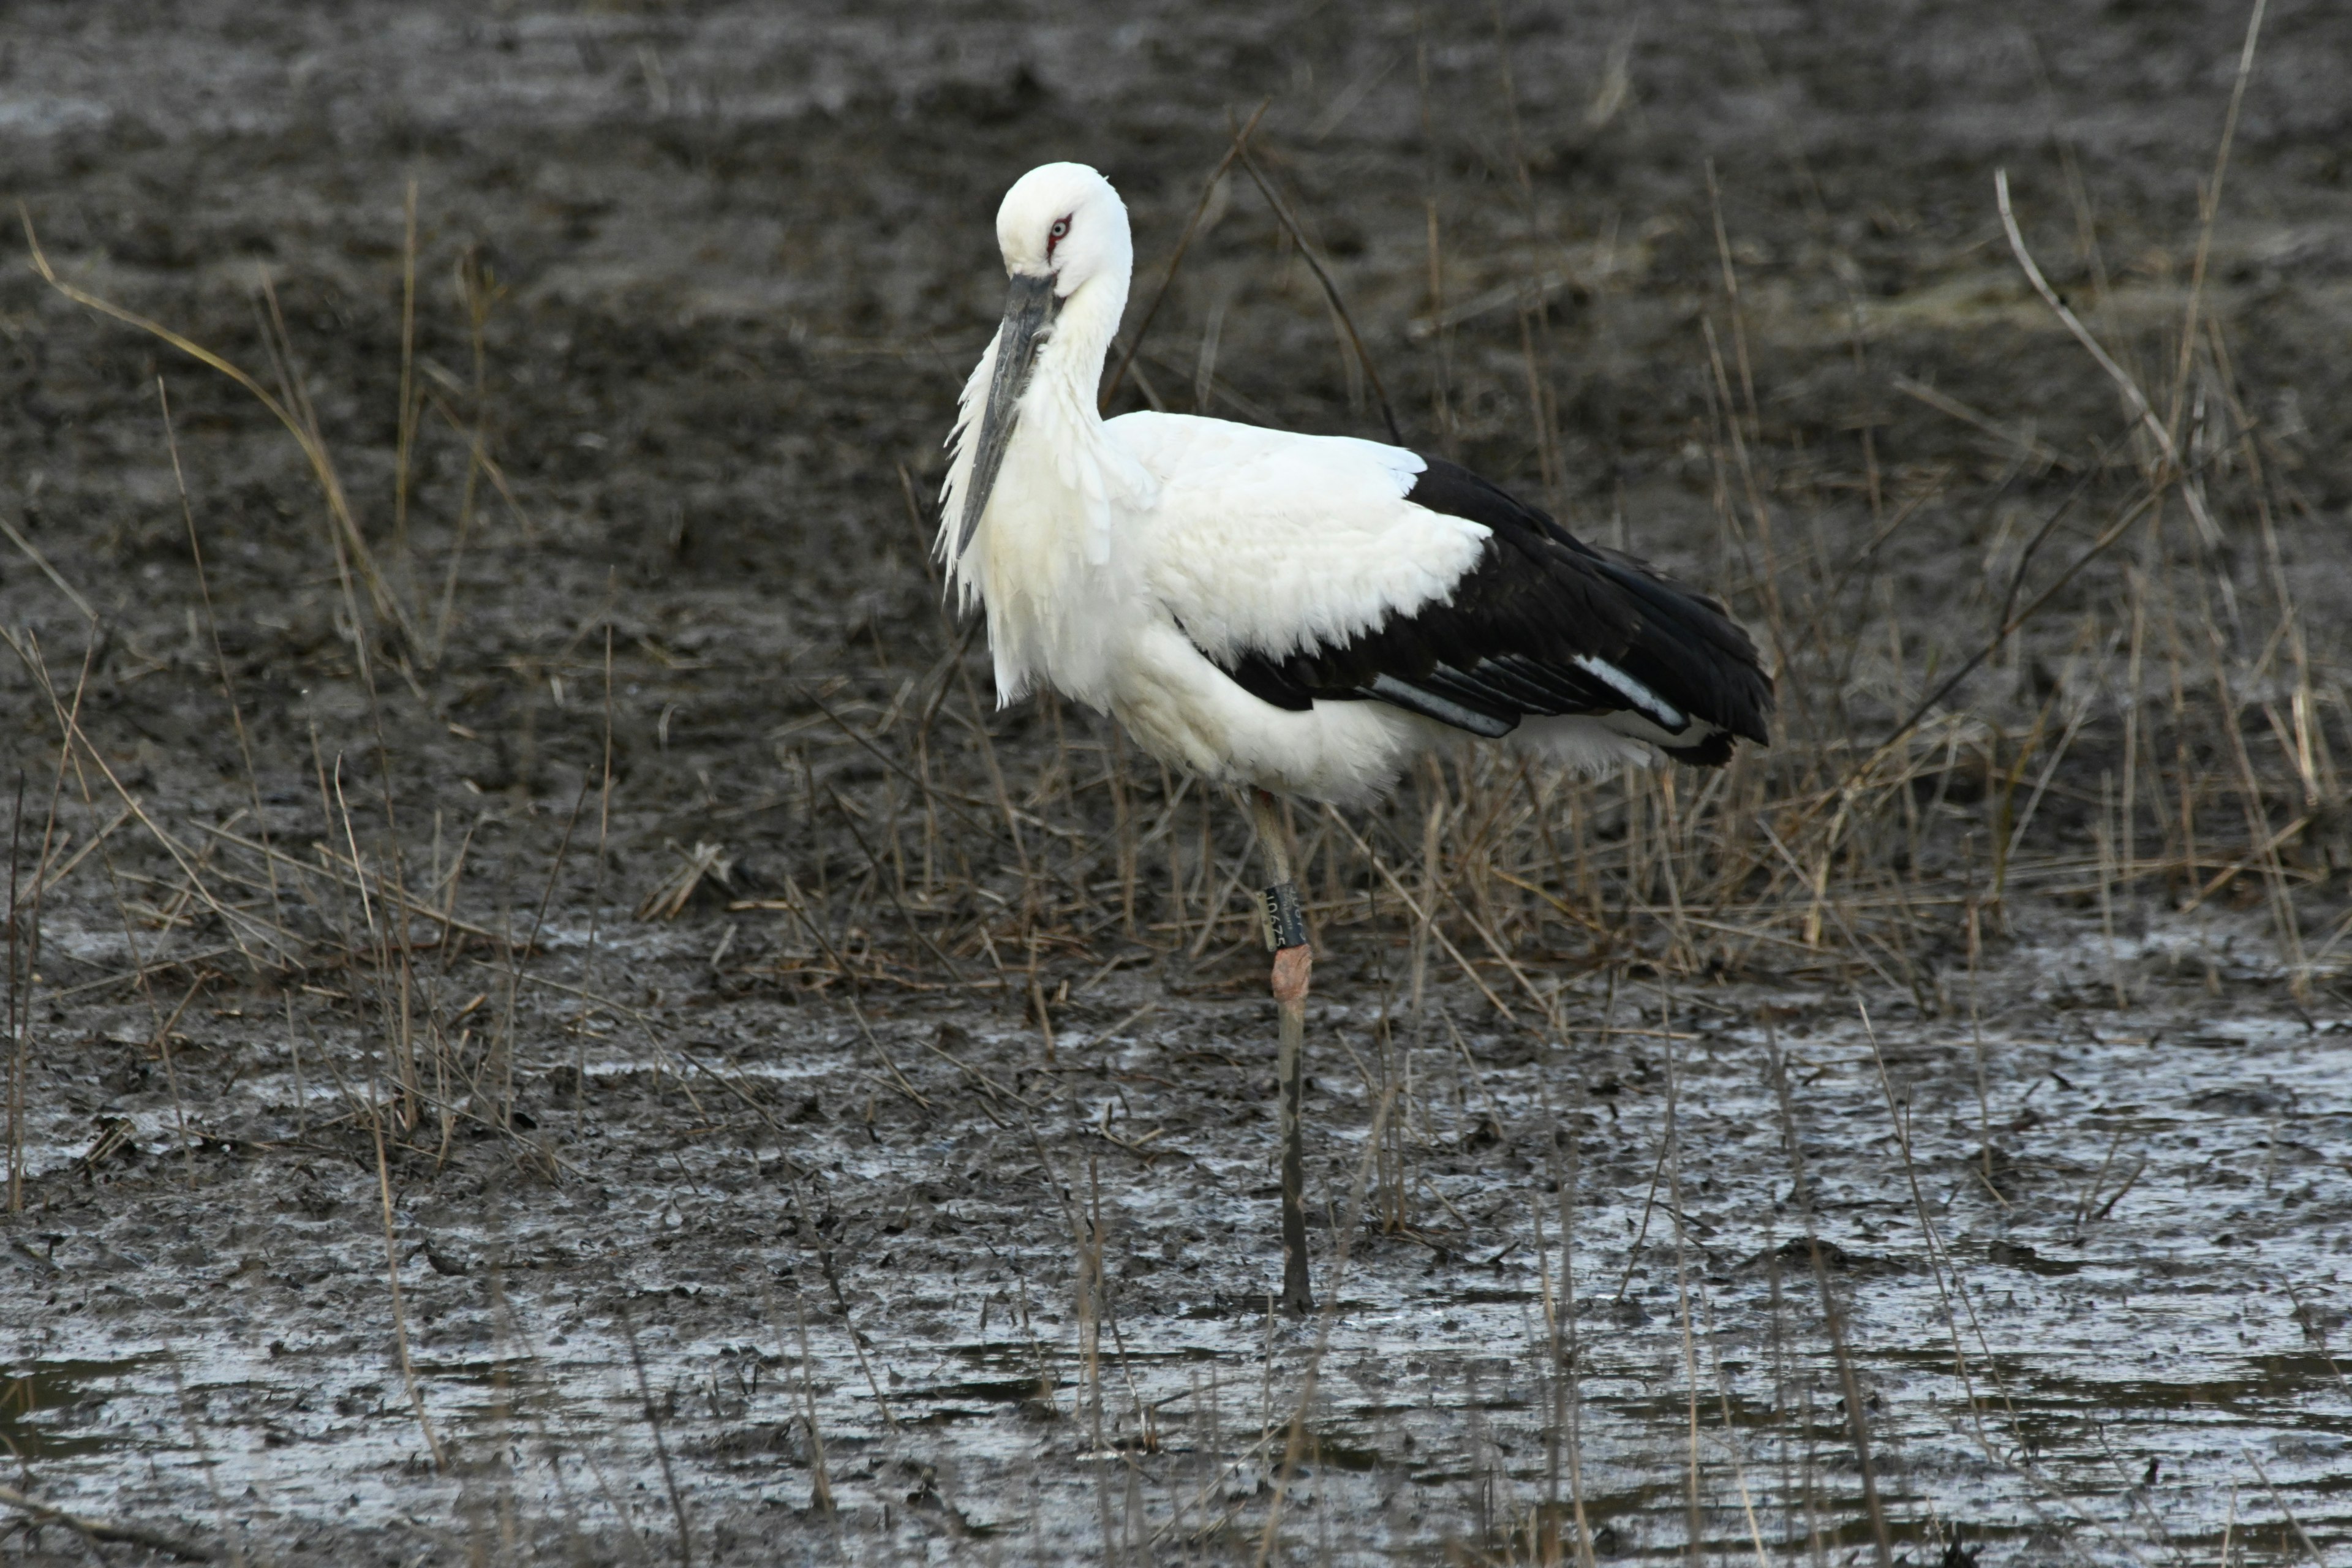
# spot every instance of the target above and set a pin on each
(1136, 564)
(1297, 613)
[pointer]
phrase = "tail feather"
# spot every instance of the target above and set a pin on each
(1692, 653)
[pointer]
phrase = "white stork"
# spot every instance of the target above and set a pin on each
(1299, 615)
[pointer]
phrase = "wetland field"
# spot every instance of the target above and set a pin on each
(549, 1016)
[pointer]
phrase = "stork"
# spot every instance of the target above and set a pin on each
(1290, 614)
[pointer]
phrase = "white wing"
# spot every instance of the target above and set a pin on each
(1270, 541)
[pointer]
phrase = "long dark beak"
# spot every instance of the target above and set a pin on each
(1028, 309)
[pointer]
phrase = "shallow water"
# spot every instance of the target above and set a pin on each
(2111, 1338)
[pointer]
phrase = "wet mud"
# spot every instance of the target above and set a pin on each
(596, 1041)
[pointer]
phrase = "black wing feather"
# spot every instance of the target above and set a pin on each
(1532, 630)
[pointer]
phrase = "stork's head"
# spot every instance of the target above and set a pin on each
(1061, 227)
(1064, 221)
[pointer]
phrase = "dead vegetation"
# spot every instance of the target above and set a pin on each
(2040, 685)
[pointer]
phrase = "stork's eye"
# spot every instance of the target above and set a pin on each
(1055, 235)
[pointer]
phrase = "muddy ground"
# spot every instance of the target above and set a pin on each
(598, 1043)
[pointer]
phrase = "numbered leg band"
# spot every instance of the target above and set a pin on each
(1285, 922)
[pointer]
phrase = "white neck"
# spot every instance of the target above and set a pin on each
(1082, 335)
(1051, 519)
(1059, 468)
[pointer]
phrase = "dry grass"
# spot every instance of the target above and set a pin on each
(2114, 711)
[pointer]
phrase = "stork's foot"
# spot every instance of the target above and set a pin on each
(1292, 968)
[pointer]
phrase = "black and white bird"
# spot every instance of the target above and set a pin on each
(1298, 614)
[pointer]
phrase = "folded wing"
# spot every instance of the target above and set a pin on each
(1543, 625)
(1461, 604)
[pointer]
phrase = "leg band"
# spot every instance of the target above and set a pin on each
(1283, 922)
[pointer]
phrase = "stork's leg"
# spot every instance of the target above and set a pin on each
(1285, 933)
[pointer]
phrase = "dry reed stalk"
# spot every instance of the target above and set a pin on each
(1344, 1236)
(391, 1280)
(1089, 1239)
(96, 1529)
(57, 579)
(69, 725)
(1776, 617)
(85, 752)
(653, 1424)
(2209, 203)
(1857, 1419)
(19, 983)
(1176, 259)
(1568, 1404)
(1415, 911)
(479, 292)
(293, 413)
(25, 951)
(220, 658)
(1355, 339)
(2173, 469)
(1670, 1156)
(820, 1481)
(406, 408)
(1729, 1439)
(339, 871)
(393, 1001)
